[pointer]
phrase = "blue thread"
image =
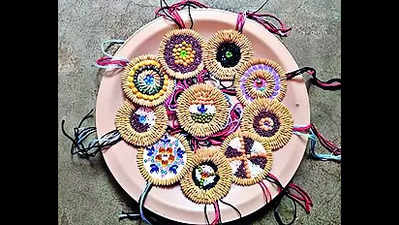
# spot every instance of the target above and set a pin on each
(141, 201)
(202, 109)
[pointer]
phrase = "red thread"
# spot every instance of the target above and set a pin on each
(265, 191)
(303, 129)
(329, 145)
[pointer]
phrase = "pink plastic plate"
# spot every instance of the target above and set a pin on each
(170, 202)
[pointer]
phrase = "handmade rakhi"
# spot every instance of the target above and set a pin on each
(140, 125)
(145, 82)
(260, 78)
(249, 156)
(202, 110)
(270, 120)
(190, 129)
(163, 163)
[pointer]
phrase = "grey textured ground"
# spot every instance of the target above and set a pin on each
(87, 194)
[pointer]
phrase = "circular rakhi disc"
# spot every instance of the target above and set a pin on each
(180, 53)
(145, 82)
(141, 126)
(225, 52)
(270, 120)
(202, 110)
(209, 179)
(249, 157)
(166, 161)
(260, 78)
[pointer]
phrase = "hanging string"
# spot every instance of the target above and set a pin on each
(142, 198)
(311, 132)
(265, 191)
(263, 19)
(233, 207)
(131, 216)
(171, 12)
(95, 145)
(333, 84)
(108, 61)
(303, 198)
(217, 219)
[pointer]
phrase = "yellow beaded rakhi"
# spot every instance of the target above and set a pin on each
(145, 82)
(166, 161)
(225, 52)
(202, 110)
(270, 120)
(181, 53)
(140, 125)
(209, 178)
(249, 157)
(260, 78)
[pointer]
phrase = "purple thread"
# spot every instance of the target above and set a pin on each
(260, 161)
(170, 59)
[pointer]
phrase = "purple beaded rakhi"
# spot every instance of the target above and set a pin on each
(261, 78)
(181, 53)
(270, 120)
(140, 125)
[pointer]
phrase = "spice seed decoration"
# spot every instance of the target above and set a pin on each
(209, 178)
(165, 162)
(202, 110)
(261, 78)
(145, 82)
(249, 157)
(225, 52)
(181, 53)
(140, 125)
(270, 120)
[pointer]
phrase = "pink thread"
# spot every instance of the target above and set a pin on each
(173, 10)
(217, 213)
(240, 21)
(302, 129)
(200, 76)
(106, 60)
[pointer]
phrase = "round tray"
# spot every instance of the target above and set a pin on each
(121, 158)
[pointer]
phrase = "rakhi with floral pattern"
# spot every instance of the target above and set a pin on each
(145, 82)
(140, 125)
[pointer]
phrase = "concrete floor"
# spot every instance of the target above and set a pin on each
(88, 194)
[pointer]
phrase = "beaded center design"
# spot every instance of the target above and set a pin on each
(266, 123)
(205, 175)
(183, 53)
(247, 157)
(165, 159)
(228, 54)
(142, 119)
(147, 81)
